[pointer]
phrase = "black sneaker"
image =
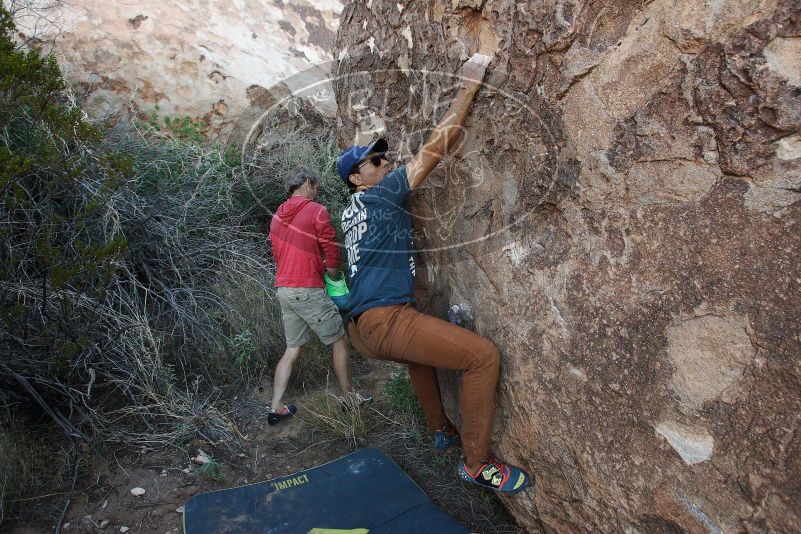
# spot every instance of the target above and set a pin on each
(286, 410)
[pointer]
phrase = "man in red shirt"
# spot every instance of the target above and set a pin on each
(304, 247)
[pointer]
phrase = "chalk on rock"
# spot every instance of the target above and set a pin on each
(462, 315)
(481, 59)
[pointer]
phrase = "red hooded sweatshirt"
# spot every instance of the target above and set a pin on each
(301, 234)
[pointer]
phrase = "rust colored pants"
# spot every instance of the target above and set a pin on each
(402, 334)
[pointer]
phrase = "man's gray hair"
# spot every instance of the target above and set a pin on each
(298, 177)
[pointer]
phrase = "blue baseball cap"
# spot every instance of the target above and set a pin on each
(356, 154)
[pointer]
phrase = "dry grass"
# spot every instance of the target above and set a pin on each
(332, 420)
(32, 466)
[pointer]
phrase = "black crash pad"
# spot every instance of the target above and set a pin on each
(365, 489)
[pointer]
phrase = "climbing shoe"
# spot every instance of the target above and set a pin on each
(286, 410)
(497, 476)
(444, 441)
(353, 399)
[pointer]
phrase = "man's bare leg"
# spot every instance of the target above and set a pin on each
(282, 373)
(342, 363)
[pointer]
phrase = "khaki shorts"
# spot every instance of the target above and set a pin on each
(309, 308)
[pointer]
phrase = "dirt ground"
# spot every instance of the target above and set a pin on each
(103, 501)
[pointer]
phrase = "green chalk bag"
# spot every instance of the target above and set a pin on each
(337, 291)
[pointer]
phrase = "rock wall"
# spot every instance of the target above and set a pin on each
(215, 61)
(622, 218)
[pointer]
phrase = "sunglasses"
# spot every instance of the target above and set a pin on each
(375, 160)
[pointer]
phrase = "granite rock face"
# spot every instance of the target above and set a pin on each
(221, 62)
(622, 218)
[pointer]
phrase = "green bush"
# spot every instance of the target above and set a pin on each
(59, 253)
(180, 128)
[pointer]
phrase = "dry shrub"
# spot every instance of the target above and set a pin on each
(136, 281)
(291, 135)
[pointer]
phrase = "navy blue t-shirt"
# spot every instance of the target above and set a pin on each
(378, 239)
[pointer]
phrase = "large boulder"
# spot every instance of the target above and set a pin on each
(622, 219)
(223, 63)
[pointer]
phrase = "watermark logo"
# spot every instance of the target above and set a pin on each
(503, 167)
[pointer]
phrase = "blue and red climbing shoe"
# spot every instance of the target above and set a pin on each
(286, 410)
(443, 441)
(497, 476)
